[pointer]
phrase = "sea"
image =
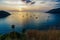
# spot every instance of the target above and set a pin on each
(29, 21)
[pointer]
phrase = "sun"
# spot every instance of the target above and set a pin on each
(22, 8)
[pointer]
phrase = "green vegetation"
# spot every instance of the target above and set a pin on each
(0, 36)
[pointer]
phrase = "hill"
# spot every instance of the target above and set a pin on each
(54, 11)
(4, 14)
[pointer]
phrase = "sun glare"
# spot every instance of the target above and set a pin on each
(21, 8)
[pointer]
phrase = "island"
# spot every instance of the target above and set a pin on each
(4, 14)
(57, 10)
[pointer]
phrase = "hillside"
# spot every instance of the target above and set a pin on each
(4, 14)
(54, 11)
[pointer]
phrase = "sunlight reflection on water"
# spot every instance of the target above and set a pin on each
(24, 18)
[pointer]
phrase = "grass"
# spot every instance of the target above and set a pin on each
(43, 35)
(40, 35)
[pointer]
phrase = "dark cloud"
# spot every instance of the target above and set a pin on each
(28, 1)
(57, 0)
(58, 5)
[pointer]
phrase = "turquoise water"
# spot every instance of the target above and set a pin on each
(28, 20)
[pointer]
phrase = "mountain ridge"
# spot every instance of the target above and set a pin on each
(57, 10)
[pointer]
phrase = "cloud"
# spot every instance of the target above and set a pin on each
(39, 4)
(11, 2)
(58, 5)
(49, 3)
(48, 0)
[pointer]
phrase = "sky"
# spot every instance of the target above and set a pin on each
(39, 5)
